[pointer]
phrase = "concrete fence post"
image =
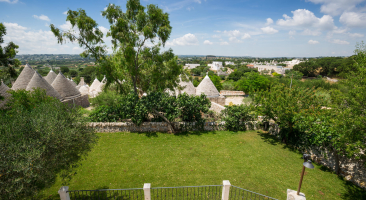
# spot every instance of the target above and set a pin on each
(64, 195)
(147, 187)
(225, 190)
(292, 195)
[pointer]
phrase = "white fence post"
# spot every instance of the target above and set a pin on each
(64, 195)
(225, 190)
(147, 187)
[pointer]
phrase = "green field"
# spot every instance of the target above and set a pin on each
(250, 160)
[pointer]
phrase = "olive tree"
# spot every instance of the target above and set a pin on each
(40, 138)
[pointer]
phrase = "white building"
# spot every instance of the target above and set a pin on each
(229, 63)
(215, 66)
(277, 69)
(191, 66)
(292, 63)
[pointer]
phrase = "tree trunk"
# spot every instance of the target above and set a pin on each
(171, 126)
(336, 162)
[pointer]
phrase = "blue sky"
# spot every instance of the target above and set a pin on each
(259, 28)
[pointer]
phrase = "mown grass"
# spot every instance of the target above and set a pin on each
(251, 160)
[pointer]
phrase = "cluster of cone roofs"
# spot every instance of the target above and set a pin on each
(206, 87)
(65, 89)
(57, 86)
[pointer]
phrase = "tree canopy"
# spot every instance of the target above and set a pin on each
(137, 36)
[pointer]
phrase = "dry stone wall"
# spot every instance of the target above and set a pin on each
(353, 170)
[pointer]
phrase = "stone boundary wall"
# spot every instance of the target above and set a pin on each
(110, 127)
(353, 170)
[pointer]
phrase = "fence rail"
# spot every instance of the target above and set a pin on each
(187, 192)
(106, 194)
(237, 193)
(206, 192)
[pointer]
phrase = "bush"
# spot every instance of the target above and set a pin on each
(235, 117)
(112, 107)
(107, 98)
(184, 107)
(40, 138)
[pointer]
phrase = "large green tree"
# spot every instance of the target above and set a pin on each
(137, 36)
(284, 105)
(7, 57)
(251, 82)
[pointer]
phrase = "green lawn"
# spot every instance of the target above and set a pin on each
(250, 160)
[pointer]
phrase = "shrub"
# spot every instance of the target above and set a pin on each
(235, 117)
(40, 138)
(107, 98)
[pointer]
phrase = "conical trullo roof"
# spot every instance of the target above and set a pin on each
(38, 81)
(65, 88)
(84, 89)
(3, 89)
(95, 85)
(73, 83)
(207, 87)
(82, 82)
(3, 93)
(188, 87)
(23, 79)
(51, 76)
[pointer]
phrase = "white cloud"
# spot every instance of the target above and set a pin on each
(310, 32)
(216, 36)
(32, 42)
(207, 42)
(9, 1)
(66, 26)
(42, 17)
(224, 43)
(190, 8)
(313, 42)
(269, 21)
(187, 39)
(234, 33)
(269, 30)
(306, 18)
(338, 41)
(197, 1)
(234, 39)
(336, 7)
(355, 35)
(353, 19)
(291, 33)
(245, 36)
(104, 30)
(65, 13)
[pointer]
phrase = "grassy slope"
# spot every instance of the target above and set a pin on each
(248, 159)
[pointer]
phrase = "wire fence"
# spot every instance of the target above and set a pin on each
(187, 192)
(207, 192)
(107, 194)
(237, 193)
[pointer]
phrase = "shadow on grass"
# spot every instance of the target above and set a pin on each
(353, 191)
(150, 134)
(199, 133)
